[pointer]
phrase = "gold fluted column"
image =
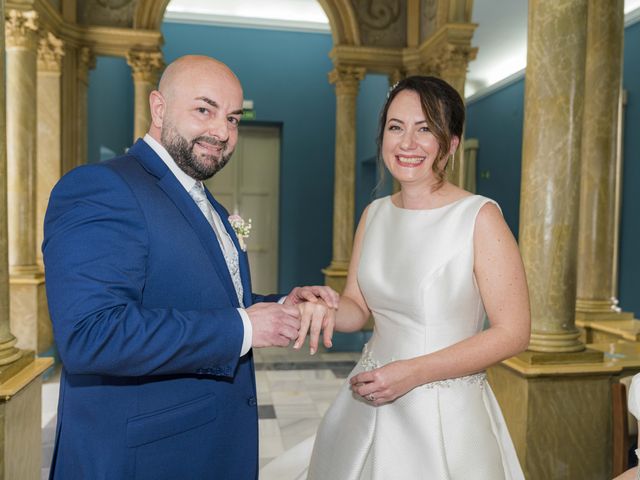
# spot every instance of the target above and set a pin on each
(8, 352)
(347, 81)
(555, 397)
(28, 304)
(146, 68)
(49, 155)
(21, 45)
(453, 66)
(553, 117)
(86, 61)
(20, 373)
(596, 296)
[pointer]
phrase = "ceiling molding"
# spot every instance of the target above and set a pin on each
(246, 22)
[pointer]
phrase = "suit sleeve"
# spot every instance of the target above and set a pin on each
(96, 251)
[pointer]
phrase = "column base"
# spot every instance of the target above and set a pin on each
(559, 415)
(566, 342)
(335, 275)
(20, 420)
(610, 330)
(29, 312)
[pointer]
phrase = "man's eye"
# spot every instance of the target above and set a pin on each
(202, 110)
(234, 120)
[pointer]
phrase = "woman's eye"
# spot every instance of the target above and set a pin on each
(424, 129)
(393, 127)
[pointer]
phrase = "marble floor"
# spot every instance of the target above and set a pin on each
(294, 391)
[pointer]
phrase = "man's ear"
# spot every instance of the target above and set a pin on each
(157, 105)
(455, 143)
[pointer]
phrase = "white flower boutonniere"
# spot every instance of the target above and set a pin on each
(242, 229)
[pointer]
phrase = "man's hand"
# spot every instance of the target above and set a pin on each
(315, 317)
(274, 325)
(313, 294)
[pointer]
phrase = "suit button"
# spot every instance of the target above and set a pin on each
(252, 401)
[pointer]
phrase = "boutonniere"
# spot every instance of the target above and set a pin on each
(242, 229)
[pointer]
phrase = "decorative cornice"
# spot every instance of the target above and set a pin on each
(50, 53)
(381, 60)
(21, 29)
(146, 66)
(347, 78)
(118, 41)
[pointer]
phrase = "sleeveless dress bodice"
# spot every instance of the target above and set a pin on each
(416, 275)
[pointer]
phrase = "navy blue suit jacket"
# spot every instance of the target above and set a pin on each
(145, 321)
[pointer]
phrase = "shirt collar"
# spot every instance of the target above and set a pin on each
(185, 180)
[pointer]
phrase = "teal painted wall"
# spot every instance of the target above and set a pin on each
(629, 288)
(496, 121)
(110, 107)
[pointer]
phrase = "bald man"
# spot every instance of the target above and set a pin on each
(150, 298)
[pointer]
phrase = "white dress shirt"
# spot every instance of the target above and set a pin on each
(221, 234)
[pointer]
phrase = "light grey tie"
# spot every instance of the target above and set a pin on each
(226, 244)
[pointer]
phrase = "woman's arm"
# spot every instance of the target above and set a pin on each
(501, 279)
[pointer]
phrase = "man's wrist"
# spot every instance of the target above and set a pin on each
(248, 332)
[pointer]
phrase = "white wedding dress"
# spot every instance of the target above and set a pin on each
(416, 274)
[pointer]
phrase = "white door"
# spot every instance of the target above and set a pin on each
(249, 186)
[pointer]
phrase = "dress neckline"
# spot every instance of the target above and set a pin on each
(436, 209)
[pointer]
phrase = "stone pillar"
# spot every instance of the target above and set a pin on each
(553, 117)
(21, 45)
(49, 155)
(86, 62)
(596, 244)
(8, 352)
(452, 68)
(346, 80)
(556, 397)
(20, 373)
(28, 304)
(146, 68)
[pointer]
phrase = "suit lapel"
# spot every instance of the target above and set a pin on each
(185, 204)
(243, 260)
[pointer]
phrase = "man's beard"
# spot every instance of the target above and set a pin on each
(200, 167)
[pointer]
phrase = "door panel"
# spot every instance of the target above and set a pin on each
(249, 186)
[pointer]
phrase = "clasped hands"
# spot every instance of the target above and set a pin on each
(305, 310)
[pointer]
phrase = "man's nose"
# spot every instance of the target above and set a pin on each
(218, 127)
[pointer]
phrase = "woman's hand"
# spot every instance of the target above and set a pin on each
(313, 294)
(385, 384)
(315, 317)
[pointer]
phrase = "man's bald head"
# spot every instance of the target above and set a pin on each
(195, 114)
(186, 68)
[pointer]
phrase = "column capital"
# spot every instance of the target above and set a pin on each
(454, 60)
(50, 53)
(347, 79)
(21, 29)
(396, 76)
(145, 65)
(86, 62)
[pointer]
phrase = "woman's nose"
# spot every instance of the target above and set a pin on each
(408, 141)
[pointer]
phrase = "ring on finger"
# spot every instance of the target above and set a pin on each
(370, 397)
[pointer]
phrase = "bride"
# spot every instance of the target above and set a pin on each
(427, 263)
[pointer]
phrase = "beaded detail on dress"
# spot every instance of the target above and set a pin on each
(369, 363)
